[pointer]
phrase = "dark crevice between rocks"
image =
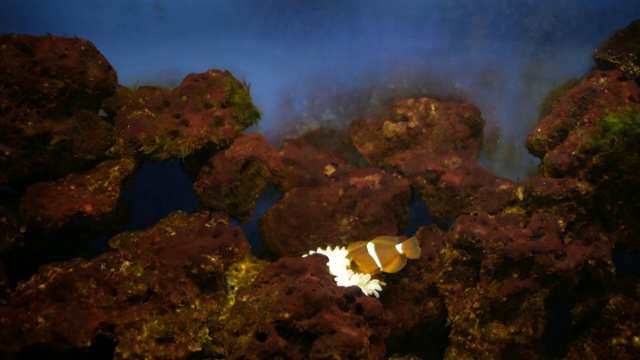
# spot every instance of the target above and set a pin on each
(626, 261)
(102, 348)
(426, 341)
(158, 190)
(268, 197)
(556, 332)
(418, 214)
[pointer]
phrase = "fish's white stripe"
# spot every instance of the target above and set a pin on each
(371, 248)
(399, 248)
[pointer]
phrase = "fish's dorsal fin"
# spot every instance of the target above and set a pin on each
(356, 245)
(385, 240)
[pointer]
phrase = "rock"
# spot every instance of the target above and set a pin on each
(53, 75)
(207, 110)
(82, 197)
(52, 89)
(414, 311)
(611, 323)
(622, 50)
(357, 204)
(294, 309)
(561, 139)
(592, 135)
(501, 273)
(443, 130)
(160, 294)
(569, 199)
(308, 163)
(434, 144)
(12, 228)
(60, 220)
(235, 177)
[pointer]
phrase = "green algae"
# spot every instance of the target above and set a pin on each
(238, 96)
(620, 132)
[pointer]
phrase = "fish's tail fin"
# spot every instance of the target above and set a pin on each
(411, 248)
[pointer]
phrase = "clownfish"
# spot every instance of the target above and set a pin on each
(383, 253)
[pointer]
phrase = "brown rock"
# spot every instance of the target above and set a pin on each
(569, 199)
(622, 50)
(501, 274)
(234, 178)
(308, 164)
(434, 144)
(593, 135)
(414, 311)
(83, 197)
(160, 295)
(613, 325)
(52, 89)
(294, 310)
(53, 75)
(207, 110)
(359, 204)
(575, 119)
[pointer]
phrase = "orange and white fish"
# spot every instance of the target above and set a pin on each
(383, 253)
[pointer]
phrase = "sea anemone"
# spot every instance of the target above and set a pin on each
(339, 267)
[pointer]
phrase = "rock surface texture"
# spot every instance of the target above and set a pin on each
(539, 269)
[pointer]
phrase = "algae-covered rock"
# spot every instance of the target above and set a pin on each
(502, 274)
(414, 310)
(83, 197)
(162, 293)
(563, 138)
(207, 110)
(434, 144)
(593, 135)
(51, 93)
(358, 204)
(622, 50)
(294, 310)
(606, 326)
(233, 179)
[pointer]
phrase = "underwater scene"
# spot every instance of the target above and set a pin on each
(324, 179)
